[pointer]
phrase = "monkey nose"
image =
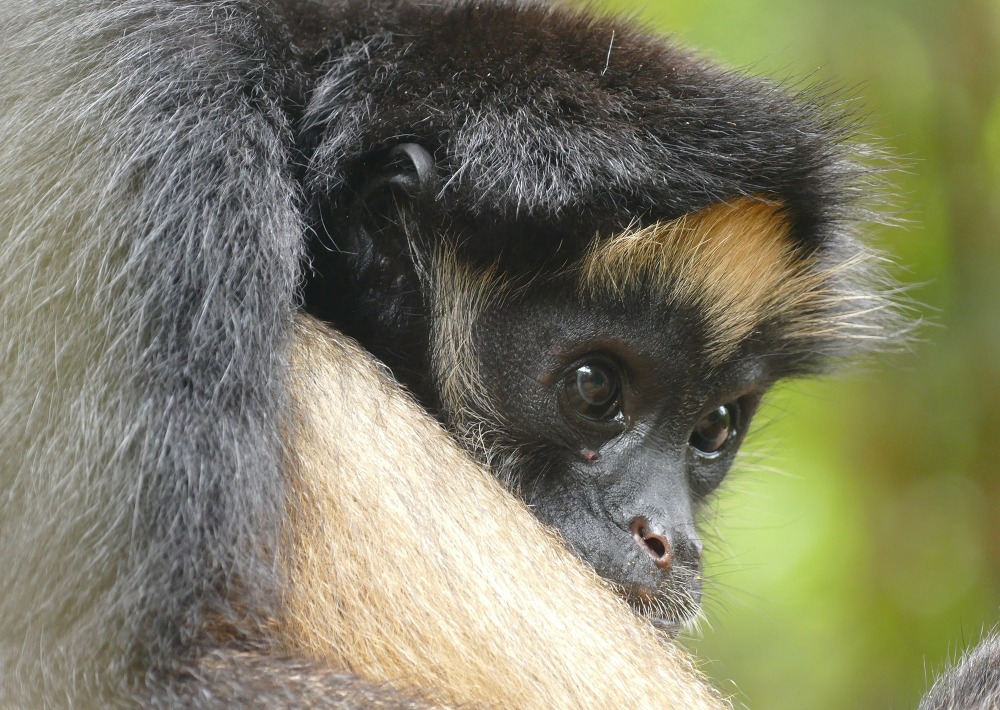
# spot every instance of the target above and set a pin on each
(656, 546)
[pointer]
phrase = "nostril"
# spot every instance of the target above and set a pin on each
(656, 546)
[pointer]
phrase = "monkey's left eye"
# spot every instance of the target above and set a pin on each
(714, 430)
(593, 391)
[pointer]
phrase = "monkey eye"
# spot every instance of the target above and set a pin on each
(593, 391)
(714, 430)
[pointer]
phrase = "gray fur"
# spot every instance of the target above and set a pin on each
(149, 247)
(972, 684)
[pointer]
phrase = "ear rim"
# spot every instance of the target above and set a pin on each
(422, 181)
(396, 181)
(407, 167)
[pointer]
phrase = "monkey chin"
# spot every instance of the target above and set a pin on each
(671, 608)
(666, 621)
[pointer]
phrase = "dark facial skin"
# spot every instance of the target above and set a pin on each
(627, 428)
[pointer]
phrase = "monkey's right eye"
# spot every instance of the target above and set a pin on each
(593, 391)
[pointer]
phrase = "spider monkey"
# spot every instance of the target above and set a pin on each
(587, 252)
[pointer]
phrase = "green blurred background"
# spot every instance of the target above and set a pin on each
(857, 548)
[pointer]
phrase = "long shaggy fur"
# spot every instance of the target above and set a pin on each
(531, 117)
(736, 264)
(150, 245)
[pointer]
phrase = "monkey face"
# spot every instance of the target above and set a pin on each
(615, 428)
(609, 381)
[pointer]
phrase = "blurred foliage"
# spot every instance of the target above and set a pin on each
(858, 549)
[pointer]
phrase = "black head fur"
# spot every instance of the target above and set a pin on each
(539, 117)
(549, 127)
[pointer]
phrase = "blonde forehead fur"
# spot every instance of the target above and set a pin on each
(733, 261)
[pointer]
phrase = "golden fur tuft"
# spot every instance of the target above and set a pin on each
(733, 261)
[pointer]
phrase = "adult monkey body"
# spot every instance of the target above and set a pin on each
(162, 164)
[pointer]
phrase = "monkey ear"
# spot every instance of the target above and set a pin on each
(395, 185)
(407, 168)
(415, 171)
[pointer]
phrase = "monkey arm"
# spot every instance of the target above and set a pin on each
(409, 563)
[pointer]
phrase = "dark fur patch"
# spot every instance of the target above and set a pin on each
(530, 118)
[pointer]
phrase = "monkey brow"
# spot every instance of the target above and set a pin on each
(734, 261)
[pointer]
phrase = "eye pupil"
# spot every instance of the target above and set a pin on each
(594, 384)
(713, 431)
(592, 391)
